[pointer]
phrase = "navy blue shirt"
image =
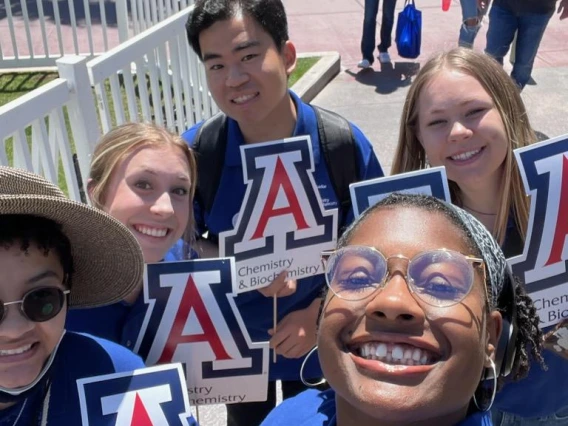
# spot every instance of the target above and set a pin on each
(78, 356)
(120, 322)
(256, 309)
(315, 408)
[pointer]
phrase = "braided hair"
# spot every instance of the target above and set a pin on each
(529, 339)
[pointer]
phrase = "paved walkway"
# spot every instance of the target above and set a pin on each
(373, 99)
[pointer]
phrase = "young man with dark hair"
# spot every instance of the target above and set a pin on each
(248, 58)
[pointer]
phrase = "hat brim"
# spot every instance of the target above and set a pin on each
(107, 259)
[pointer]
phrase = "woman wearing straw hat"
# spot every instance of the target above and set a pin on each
(144, 176)
(55, 254)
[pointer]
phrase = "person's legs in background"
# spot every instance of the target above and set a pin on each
(369, 32)
(472, 16)
(387, 24)
(529, 35)
(502, 27)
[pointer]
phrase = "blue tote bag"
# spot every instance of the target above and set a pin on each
(409, 31)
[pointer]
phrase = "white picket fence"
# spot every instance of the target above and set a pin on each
(35, 134)
(147, 13)
(152, 77)
(34, 33)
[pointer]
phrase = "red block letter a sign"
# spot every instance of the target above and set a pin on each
(192, 301)
(282, 209)
(281, 180)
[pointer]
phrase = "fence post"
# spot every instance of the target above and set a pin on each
(81, 109)
(122, 21)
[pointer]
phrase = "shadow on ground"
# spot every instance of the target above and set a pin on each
(15, 82)
(389, 78)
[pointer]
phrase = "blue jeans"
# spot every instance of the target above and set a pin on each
(470, 10)
(502, 27)
(370, 27)
(505, 419)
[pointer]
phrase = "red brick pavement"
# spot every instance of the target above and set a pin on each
(320, 25)
(317, 25)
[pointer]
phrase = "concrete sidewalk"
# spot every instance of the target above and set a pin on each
(373, 99)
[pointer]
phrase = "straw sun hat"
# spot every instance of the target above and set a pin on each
(107, 259)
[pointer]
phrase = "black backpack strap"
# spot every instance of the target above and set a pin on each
(209, 146)
(339, 151)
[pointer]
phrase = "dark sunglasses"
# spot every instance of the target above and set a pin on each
(438, 277)
(38, 305)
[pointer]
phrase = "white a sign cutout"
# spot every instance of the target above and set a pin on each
(432, 181)
(192, 318)
(282, 223)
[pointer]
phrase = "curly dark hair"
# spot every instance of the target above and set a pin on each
(529, 336)
(528, 343)
(45, 234)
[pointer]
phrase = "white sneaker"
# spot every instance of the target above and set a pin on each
(364, 63)
(384, 57)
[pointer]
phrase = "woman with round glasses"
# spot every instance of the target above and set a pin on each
(410, 326)
(55, 254)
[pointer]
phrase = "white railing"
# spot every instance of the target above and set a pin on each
(38, 130)
(154, 76)
(146, 13)
(35, 33)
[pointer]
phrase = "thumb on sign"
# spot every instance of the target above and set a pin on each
(280, 287)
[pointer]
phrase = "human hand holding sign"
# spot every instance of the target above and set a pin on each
(296, 333)
(280, 287)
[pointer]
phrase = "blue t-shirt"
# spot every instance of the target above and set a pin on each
(120, 322)
(78, 356)
(541, 393)
(256, 309)
(316, 408)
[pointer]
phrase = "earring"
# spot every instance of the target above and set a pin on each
(426, 163)
(494, 390)
(308, 384)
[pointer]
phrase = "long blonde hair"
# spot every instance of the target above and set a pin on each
(114, 146)
(410, 154)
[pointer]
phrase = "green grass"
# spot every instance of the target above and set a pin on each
(14, 85)
(303, 65)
